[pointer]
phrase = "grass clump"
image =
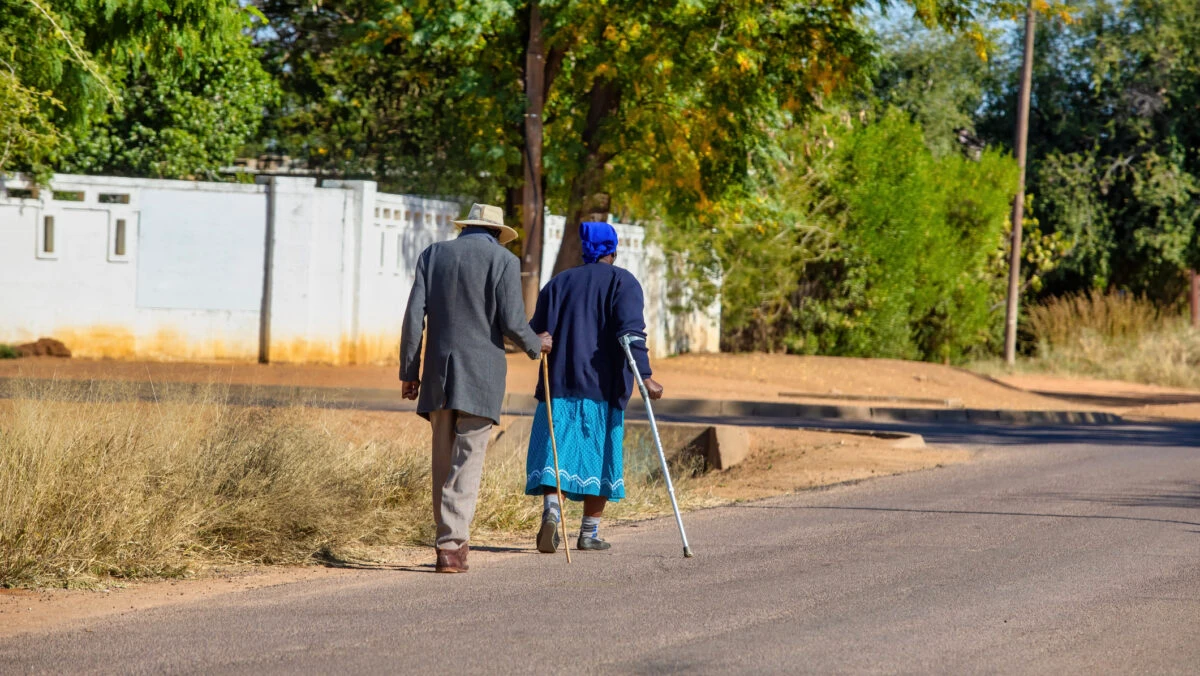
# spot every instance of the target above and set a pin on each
(1118, 319)
(127, 488)
(1115, 336)
(8, 352)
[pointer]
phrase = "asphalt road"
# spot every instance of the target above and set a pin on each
(1058, 551)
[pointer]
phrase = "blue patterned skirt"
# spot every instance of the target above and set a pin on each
(590, 435)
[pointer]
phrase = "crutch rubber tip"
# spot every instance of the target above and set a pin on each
(687, 553)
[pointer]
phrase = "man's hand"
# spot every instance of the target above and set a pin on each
(547, 342)
(409, 389)
(653, 388)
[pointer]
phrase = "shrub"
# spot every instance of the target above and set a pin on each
(909, 277)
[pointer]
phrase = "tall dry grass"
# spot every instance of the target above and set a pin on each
(1114, 336)
(102, 484)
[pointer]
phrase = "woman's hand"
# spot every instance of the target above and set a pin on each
(410, 389)
(653, 388)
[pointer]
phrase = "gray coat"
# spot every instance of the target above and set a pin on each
(469, 289)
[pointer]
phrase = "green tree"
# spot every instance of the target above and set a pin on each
(179, 123)
(415, 95)
(654, 110)
(910, 275)
(153, 69)
(1115, 152)
(939, 79)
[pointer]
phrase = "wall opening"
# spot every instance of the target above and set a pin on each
(119, 238)
(47, 234)
(68, 195)
(113, 198)
(21, 193)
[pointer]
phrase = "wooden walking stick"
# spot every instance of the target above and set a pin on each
(562, 504)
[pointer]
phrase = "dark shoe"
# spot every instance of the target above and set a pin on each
(547, 537)
(591, 544)
(453, 560)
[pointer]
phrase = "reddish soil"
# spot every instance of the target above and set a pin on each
(757, 377)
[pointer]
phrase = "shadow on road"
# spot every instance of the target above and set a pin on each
(967, 512)
(330, 560)
(1185, 495)
(1161, 434)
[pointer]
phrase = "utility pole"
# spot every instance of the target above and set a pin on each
(533, 203)
(1018, 212)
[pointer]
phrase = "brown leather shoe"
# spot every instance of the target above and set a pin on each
(453, 560)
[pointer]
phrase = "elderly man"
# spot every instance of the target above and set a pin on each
(469, 290)
(586, 309)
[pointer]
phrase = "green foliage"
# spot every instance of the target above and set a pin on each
(175, 80)
(419, 96)
(867, 245)
(760, 241)
(910, 278)
(662, 106)
(938, 79)
(8, 352)
(179, 124)
(1115, 151)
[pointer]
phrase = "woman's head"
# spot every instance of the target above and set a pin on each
(599, 240)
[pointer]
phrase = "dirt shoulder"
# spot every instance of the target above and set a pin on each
(751, 377)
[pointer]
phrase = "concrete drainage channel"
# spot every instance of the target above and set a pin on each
(719, 446)
(519, 404)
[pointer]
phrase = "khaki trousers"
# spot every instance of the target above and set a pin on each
(460, 442)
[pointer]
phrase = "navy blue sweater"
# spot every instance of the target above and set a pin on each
(586, 309)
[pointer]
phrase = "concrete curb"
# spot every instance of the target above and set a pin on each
(721, 446)
(522, 404)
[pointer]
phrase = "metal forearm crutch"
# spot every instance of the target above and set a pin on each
(562, 504)
(626, 341)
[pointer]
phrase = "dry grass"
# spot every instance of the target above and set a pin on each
(106, 485)
(1117, 318)
(1112, 336)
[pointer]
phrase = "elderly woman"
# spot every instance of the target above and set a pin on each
(586, 309)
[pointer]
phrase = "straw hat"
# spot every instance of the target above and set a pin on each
(488, 216)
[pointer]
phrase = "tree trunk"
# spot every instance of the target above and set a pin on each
(533, 204)
(588, 201)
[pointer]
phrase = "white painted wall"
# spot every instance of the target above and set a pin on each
(190, 283)
(184, 299)
(395, 229)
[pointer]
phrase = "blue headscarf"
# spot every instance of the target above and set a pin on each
(599, 240)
